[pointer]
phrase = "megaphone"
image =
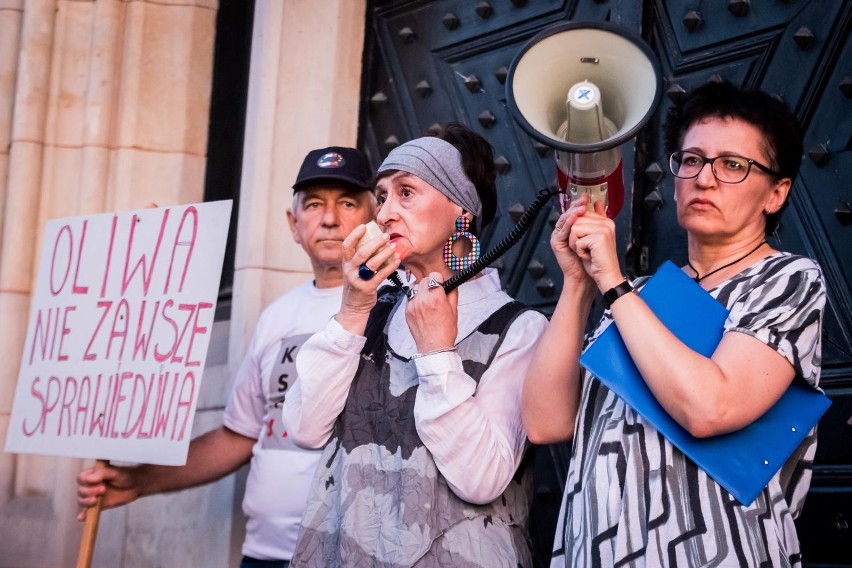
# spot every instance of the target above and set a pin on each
(583, 89)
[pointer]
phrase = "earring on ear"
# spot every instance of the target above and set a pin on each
(462, 232)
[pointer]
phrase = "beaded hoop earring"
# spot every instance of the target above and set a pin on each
(462, 232)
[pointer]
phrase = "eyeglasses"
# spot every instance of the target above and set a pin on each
(730, 169)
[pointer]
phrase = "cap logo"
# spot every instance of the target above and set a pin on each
(331, 160)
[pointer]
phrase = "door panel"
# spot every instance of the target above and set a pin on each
(428, 62)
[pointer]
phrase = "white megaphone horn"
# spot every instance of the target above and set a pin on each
(583, 89)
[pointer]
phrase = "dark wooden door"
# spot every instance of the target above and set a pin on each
(432, 62)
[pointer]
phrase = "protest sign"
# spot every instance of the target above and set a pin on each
(120, 321)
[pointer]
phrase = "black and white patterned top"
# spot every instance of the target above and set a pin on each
(633, 499)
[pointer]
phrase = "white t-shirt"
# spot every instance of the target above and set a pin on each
(280, 473)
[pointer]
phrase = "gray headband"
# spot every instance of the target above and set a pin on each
(438, 163)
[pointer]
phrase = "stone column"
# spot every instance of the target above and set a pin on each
(104, 106)
(13, 304)
(304, 93)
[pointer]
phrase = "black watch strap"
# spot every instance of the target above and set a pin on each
(616, 292)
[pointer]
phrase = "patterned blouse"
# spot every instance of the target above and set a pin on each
(633, 499)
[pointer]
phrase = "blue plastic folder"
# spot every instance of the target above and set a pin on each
(742, 462)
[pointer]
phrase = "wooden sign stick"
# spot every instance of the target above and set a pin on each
(90, 529)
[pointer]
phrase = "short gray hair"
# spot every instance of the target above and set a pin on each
(298, 196)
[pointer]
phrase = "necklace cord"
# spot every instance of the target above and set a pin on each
(746, 255)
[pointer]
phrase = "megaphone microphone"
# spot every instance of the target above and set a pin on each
(583, 89)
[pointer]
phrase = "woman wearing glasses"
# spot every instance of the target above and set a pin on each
(631, 497)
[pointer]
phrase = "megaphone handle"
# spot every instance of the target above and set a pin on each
(503, 246)
(397, 281)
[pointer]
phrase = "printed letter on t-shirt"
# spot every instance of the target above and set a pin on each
(280, 380)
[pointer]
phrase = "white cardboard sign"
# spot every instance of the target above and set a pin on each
(119, 326)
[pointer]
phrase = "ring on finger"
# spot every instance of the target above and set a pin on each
(365, 272)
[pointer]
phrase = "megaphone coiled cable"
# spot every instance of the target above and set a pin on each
(503, 246)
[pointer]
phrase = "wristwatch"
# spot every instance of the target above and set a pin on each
(616, 292)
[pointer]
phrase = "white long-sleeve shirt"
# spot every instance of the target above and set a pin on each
(474, 432)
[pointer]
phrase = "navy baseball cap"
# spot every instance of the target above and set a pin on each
(336, 164)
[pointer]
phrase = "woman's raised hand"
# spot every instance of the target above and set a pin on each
(432, 314)
(592, 239)
(569, 261)
(365, 267)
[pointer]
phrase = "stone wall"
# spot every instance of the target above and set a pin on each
(104, 107)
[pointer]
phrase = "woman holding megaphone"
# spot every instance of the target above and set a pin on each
(632, 497)
(416, 398)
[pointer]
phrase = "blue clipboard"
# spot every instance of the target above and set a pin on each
(742, 462)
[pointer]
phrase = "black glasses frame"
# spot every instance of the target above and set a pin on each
(712, 161)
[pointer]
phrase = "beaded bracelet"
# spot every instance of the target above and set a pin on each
(436, 351)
